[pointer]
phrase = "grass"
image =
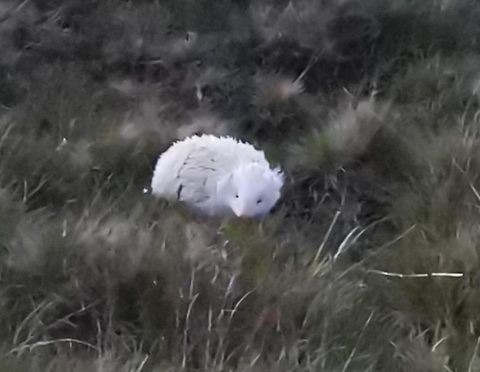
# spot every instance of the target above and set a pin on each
(368, 263)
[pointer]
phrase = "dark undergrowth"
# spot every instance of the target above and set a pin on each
(370, 260)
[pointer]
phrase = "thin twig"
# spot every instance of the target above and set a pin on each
(380, 249)
(421, 275)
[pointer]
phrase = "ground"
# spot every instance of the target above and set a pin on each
(369, 262)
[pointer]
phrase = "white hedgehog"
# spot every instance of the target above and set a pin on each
(218, 176)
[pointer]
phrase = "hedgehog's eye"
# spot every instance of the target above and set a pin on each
(236, 195)
(259, 201)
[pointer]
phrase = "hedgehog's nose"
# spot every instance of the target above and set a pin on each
(242, 217)
(239, 212)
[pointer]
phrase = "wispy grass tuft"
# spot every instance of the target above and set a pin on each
(369, 261)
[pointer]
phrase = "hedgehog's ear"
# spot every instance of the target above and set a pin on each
(278, 177)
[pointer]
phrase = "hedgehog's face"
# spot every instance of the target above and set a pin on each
(251, 190)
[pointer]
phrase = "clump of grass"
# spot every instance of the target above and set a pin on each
(367, 263)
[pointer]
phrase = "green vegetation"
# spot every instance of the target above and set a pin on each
(370, 261)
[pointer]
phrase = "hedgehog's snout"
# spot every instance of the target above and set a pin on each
(238, 210)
